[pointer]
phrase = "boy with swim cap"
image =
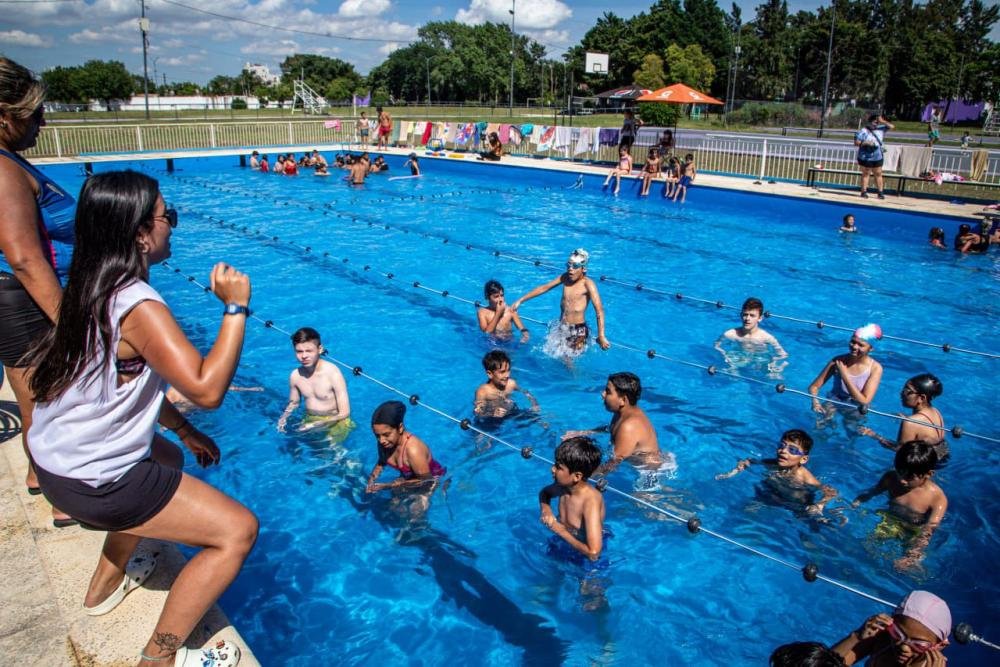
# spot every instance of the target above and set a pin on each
(916, 504)
(751, 337)
(322, 385)
(915, 634)
(581, 506)
(493, 397)
(578, 292)
(789, 476)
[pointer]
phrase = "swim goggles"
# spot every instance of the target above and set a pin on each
(918, 645)
(575, 265)
(791, 449)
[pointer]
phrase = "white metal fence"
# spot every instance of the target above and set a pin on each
(765, 158)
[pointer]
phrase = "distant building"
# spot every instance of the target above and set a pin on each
(263, 73)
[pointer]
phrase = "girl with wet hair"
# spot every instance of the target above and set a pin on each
(402, 450)
(928, 424)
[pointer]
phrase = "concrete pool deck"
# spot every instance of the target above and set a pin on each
(45, 570)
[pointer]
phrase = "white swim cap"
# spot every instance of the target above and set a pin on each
(579, 256)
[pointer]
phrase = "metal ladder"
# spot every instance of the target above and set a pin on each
(992, 123)
(311, 101)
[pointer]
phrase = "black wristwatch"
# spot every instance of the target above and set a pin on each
(236, 309)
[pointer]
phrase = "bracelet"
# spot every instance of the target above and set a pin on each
(164, 658)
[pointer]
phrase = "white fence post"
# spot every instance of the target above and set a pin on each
(138, 136)
(58, 143)
(763, 160)
(291, 139)
(211, 134)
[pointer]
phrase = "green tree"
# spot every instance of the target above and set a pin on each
(223, 85)
(106, 81)
(63, 84)
(690, 66)
(318, 71)
(767, 59)
(650, 74)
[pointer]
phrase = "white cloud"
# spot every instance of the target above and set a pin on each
(386, 49)
(556, 39)
(363, 8)
(534, 15)
(21, 38)
(279, 47)
(109, 34)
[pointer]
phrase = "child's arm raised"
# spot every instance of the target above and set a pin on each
(538, 291)
(595, 298)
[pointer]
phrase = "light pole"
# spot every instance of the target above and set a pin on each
(510, 108)
(144, 28)
(829, 58)
(155, 75)
(428, 60)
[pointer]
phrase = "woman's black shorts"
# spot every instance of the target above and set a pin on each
(22, 322)
(130, 501)
(870, 164)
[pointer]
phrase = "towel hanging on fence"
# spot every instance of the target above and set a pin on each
(546, 138)
(464, 133)
(394, 134)
(891, 157)
(915, 160)
(608, 136)
(404, 128)
(536, 133)
(504, 133)
(584, 141)
(515, 135)
(331, 125)
(564, 135)
(428, 129)
(527, 129)
(980, 158)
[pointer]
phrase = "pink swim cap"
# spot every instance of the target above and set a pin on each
(928, 609)
(869, 333)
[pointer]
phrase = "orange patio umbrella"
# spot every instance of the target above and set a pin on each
(678, 94)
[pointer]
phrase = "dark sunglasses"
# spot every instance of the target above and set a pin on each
(170, 215)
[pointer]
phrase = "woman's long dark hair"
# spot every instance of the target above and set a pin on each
(113, 208)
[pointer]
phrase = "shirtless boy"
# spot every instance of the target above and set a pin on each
(915, 501)
(789, 477)
(497, 318)
(751, 337)
(578, 292)
(581, 506)
(493, 397)
(321, 384)
(384, 127)
(359, 170)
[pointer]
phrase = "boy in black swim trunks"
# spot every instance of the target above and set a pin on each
(578, 292)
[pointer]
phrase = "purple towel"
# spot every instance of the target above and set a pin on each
(608, 136)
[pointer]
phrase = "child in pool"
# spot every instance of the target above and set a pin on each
(581, 506)
(937, 238)
(624, 168)
(856, 375)
(413, 162)
(789, 476)
(578, 292)
(402, 450)
(632, 433)
(848, 224)
(751, 337)
(493, 397)
(496, 318)
(915, 634)
(917, 394)
(322, 385)
(917, 505)
(255, 160)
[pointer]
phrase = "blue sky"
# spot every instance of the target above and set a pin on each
(188, 44)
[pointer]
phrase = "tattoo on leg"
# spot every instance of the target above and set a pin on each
(167, 642)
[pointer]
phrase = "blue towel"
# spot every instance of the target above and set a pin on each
(527, 129)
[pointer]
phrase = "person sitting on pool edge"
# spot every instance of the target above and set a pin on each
(493, 397)
(916, 504)
(688, 171)
(857, 374)
(497, 318)
(322, 385)
(580, 523)
(848, 225)
(578, 292)
(789, 477)
(752, 339)
(917, 394)
(494, 149)
(915, 634)
(633, 436)
(402, 450)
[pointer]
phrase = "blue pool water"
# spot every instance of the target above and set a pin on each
(336, 579)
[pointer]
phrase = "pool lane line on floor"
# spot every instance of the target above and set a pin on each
(810, 571)
(678, 296)
(956, 431)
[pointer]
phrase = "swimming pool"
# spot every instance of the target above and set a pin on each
(333, 576)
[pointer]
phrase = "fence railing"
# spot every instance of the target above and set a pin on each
(764, 158)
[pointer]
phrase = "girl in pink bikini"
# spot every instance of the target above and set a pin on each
(400, 449)
(856, 375)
